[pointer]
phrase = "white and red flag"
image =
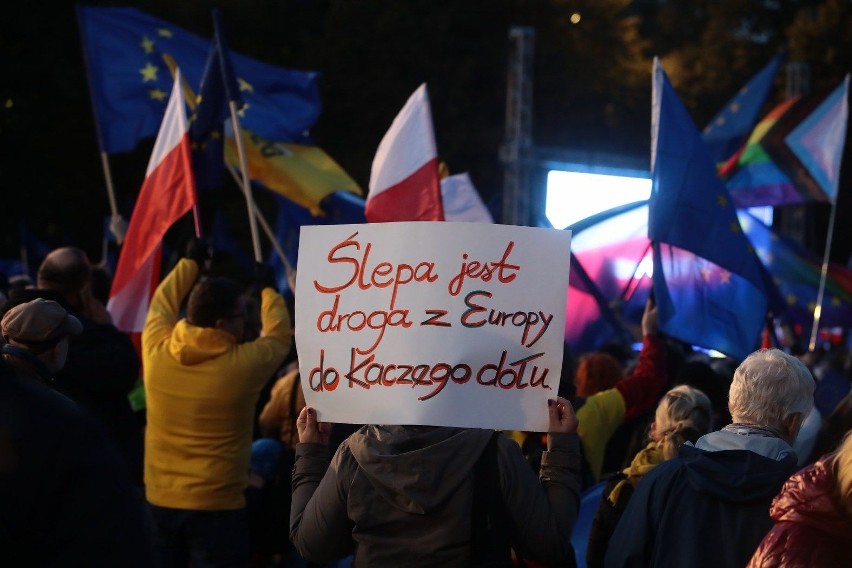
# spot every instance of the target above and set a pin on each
(404, 181)
(167, 193)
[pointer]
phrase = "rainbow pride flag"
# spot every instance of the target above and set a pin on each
(751, 176)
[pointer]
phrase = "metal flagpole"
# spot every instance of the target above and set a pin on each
(822, 277)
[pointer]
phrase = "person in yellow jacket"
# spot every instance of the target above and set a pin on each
(202, 382)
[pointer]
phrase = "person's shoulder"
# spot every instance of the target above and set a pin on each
(602, 401)
(665, 472)
(35, 400)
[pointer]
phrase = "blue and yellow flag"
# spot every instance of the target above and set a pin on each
(126, 53)
(303, 174)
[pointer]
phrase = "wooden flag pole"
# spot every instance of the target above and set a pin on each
(265, 226)
(113, 208)
(246, 185)
(822, 278)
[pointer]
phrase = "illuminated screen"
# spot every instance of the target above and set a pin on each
(572, 196)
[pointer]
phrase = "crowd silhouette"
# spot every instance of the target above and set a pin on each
(665, 457)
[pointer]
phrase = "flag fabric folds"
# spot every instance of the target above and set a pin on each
(797, 273)
(167, 193)
(752, 176)
(794, 153)
(303, 174)
(461, 201)
(725, 133)
(404, 181)
(338, 208)
(709, 286)
(206, 131)
(610, 276)
(127, 53)
(812, 147)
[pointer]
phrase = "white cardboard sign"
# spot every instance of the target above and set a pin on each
(448, 324)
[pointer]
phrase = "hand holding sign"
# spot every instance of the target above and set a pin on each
(561, 416)
(456, 324)
(311, 431)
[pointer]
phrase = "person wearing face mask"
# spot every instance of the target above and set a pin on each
(202, 381)
(67, 498)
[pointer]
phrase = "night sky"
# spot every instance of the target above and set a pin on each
(591, 91)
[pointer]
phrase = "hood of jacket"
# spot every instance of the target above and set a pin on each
(191, 344)
(810, 498)
(417, 468)
(738, 468)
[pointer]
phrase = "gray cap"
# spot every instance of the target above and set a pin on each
(39, 322)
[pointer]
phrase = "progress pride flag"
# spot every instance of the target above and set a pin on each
(447, 324)
(167, 193)
(404, 183)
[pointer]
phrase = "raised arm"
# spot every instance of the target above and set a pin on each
(645, 384)
(165, 304)
(543, 512)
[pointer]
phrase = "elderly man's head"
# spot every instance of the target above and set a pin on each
(66, 271)
(773, 390)
(40, 328)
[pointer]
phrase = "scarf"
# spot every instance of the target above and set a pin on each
(644, 461)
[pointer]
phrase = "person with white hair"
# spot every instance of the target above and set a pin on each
(710, 505)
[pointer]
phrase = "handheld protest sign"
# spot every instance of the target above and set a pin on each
(446, 324)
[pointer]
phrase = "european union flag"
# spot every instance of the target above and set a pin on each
(797, 272)
(224, 242)
(339, 208)
(127, 56)
(726, 132)
(206, 131)
(711, 289)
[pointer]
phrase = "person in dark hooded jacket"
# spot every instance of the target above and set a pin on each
(813, 516)
(710, 506)
(418, 495)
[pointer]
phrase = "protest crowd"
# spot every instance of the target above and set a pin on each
(158, 411)
(678, 448)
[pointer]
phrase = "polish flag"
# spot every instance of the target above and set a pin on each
(404, 182)
(167, 193)
(462, 202)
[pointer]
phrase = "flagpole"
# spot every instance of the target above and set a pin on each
(241, 153)
(630, 283)
(266, 228)
(116, 223)
(822, 277)
(113, 208)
